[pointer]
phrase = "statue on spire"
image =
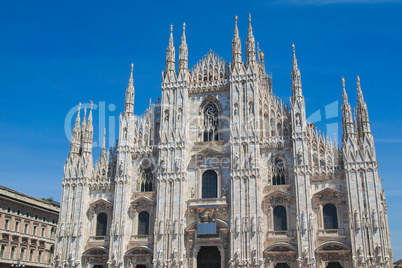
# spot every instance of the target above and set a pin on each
(183, 51)
(170, 55)
(236, 46)
(129, 103)
(296, 77)
(250, 48)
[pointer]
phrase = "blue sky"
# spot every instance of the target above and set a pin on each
(54, 54)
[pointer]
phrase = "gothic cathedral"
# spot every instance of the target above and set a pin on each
(219, 172)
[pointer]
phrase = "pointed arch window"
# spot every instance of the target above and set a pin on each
(280, 221)
(143, 223)
(211, 122)
(209, 184)
(330, 216)
(147, 178)
(278, 171)
(101, 224)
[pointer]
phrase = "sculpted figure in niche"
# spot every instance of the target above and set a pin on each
(166, 115)
(192, 192)
(236, 161)
(297, 119)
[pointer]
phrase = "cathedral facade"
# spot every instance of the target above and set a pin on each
(221, 173)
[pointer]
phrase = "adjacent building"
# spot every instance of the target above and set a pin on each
(220, 172)
(27, 230)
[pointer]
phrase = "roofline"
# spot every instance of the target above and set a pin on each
(10, 194)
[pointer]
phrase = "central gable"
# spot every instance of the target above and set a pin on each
(209, 74)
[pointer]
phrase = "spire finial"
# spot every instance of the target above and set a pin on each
(183, 37)
(171, 28)
(131, 80)
(104, 139)
(84, 123)
(77, 119)
(294, 57)
(358, 82)
(359, 90)
(92, 104)
(344, 95)
(236, 30)
(249, 18)
(343, 83)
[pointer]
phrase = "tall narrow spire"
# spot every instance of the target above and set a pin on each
(84, 123)
(294, 58)
(344, 95)
(296, 77)
(363, 123)
(347, 117)
(183, 52)
(250, 46)
(87, 132)
(90, 116)
(103, 150)
(76, 135)
(236, 46)
(129, 102)
(360, 98)
(170, 55)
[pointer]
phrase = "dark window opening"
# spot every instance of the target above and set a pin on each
(209, 184)
(330, 217)
(280, 223)
(101, 224)
(143, 223)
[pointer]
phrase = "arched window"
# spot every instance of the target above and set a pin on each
(143, 223)
(101, 224)
(280, 223)
(330, 217)
(278, 171)
(211, 122)
(146, 178)
(209, 184)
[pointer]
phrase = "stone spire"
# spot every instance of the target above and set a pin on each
(103, 150)
(170, 55)
(87, 130)
(296, 77)
(250, 49)
(76, 135)
(363, 123)
(129, 103)
(236, 46)
(84, 122)
(183, 52)
(347, 117)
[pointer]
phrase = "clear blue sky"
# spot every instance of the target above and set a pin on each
(54, 54)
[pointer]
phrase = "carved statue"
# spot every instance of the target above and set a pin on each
(297, 119)
(224, 192)
(300, 157)
(121, 167)
(250, 159)
(192, 192)
(236, 160)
